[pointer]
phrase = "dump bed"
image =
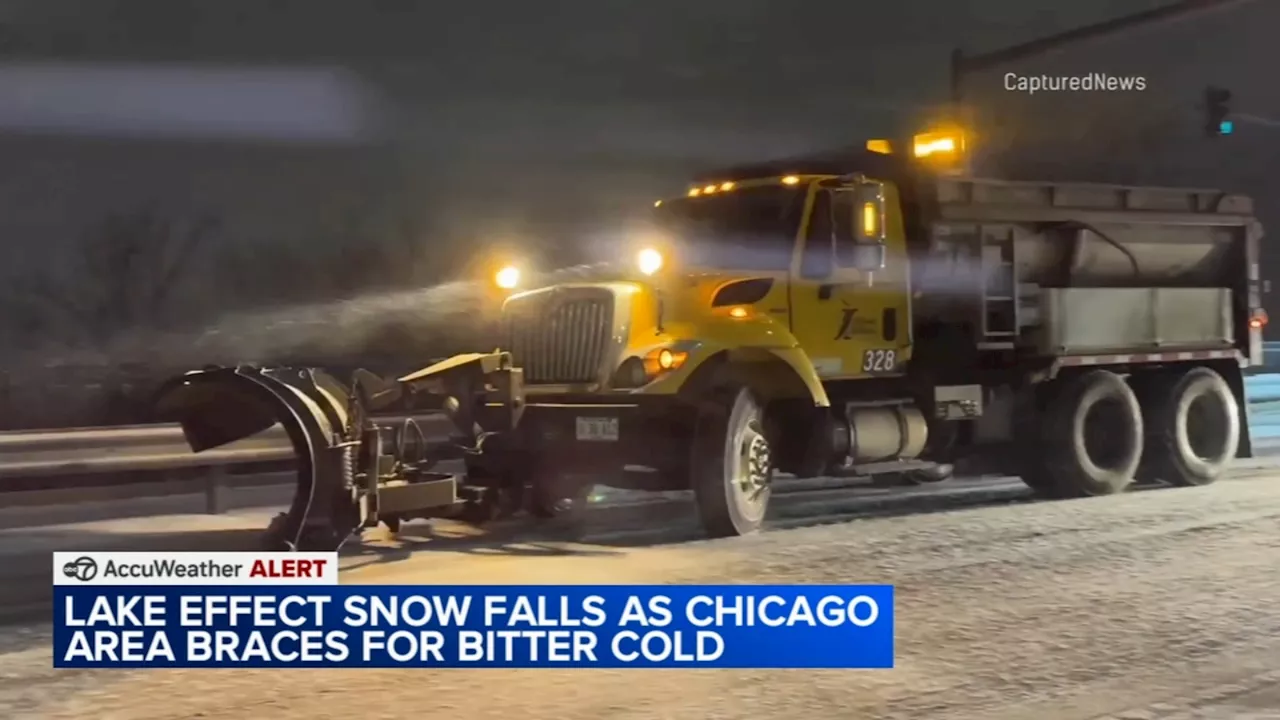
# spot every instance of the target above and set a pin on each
(1082, 267)
(1044, 200)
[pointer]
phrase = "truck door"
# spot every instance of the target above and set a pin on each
(850, 323)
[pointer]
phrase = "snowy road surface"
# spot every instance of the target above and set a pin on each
(1160, 605)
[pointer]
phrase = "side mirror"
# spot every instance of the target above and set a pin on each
(868, 257)
(869, 210)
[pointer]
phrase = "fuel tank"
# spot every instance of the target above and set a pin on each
(875, 433)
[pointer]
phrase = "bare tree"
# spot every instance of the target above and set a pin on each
(81, 317)
(125, 275)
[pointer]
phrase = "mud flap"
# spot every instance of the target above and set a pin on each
(222, 405)
(1235, 380)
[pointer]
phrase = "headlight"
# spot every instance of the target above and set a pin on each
(507, 278)
(635, 372)
(664, 360)
(649, 261)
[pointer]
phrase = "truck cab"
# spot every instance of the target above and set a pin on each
(809, 270)
(790, 283)
(821, 257)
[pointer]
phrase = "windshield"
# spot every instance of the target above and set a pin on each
(748, 229)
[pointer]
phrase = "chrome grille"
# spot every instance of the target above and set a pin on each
(560, 337)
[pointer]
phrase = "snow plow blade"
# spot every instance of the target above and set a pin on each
(222, 405)
(354, 473)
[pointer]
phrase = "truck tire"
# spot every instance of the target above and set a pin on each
(1193, 428)
(1027, 450)
(732, 465)
(1092, 437)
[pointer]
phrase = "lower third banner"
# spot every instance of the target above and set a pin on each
(380, 626)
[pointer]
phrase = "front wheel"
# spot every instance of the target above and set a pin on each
(732, 464)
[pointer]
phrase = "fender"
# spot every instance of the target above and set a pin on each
(218, 406)
(757, 335)
(804, 369)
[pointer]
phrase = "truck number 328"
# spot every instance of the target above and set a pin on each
(880, 361)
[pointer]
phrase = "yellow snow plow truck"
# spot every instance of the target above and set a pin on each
(852, 313)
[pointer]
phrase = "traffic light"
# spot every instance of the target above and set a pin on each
(1217, 113)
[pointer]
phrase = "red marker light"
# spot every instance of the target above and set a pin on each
(1259, 319)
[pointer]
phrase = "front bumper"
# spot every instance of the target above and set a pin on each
(604, 436)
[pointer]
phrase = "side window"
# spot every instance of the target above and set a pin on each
(843, 210)
(816, 263)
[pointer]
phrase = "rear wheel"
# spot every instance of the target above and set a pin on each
(1193, 426)
(732, 463)
(1091, 438)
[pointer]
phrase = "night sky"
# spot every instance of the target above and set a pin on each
(545, 122)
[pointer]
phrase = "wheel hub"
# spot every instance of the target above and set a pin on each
(757, 463)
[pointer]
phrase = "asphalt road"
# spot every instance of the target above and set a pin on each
(1159, 604)
(618, 519)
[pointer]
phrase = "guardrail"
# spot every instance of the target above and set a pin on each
(139, 448)
(105, 450)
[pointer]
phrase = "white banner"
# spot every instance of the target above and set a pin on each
(195, 568)
(152, 101)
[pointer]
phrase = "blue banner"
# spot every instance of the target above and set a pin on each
(382, 626)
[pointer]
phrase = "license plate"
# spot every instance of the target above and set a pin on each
(598, 429)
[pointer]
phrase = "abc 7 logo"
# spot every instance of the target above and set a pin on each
(83, 569)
